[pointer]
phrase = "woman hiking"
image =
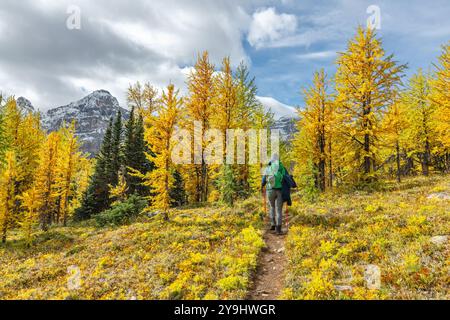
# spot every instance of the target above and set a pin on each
(278, 184)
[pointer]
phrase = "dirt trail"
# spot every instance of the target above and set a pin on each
(269, 278)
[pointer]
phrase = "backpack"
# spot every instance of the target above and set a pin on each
(275, 175)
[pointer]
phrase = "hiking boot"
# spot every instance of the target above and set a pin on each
(279, 232)
(272, 228)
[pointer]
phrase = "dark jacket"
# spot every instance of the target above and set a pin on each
(287, 184)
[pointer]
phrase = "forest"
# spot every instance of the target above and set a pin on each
(371, 157)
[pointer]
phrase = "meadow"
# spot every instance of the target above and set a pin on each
(212, 252)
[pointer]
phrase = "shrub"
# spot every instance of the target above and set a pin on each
(122, 212)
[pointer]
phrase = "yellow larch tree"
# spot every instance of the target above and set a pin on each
(198, 109)
(31, 204)
(440, 97)
(67, 166)
(366, 82)
(421, 131)
(46, 179)
(313, 142)
(159, 138)
(395, 124)
(8, 178)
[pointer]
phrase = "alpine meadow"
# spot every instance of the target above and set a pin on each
(192, 186)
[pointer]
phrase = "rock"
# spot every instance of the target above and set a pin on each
(281, 250)
(372, 275)
(439, 196)
(439, 240)
(343, 288)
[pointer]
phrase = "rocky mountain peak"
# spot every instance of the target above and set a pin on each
(91, 113)
(25, 105)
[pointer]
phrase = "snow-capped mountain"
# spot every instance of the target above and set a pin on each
(92, 114)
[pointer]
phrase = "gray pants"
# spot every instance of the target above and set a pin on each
(275, 204)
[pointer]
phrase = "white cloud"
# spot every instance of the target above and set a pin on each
(279, 109)
(316, 55)
(269, 27)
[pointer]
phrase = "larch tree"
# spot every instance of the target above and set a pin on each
(313, 140)
(8, 196)
(440, 97)
(366, 82)
(395, 123)
(46, 180)
(225, 106)
(421, 130)
(159, 138)
(67, 167)
(31, 204)
(199, 108)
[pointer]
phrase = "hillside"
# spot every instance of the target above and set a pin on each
(212, 252)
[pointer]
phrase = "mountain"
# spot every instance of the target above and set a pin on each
(25, 105)
(92, 114)
(287, 127)
(280, 110)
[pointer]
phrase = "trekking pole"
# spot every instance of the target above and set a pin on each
(265, 204)
(287, 217)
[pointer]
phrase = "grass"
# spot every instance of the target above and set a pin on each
(211, 253)
(206, 253)
(332, 242)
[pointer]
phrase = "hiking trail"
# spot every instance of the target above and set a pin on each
(268, 281)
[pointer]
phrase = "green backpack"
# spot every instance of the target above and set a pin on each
(275, 174)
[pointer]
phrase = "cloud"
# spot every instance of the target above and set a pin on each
(316, 55)
(119, 43)
(279, 109)
(269, 27)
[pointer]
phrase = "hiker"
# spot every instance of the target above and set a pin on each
(273, 179)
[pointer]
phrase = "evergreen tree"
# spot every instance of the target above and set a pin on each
(177, 192)
(134, 154)
(116, 156)
(96, 197)
(247, 105)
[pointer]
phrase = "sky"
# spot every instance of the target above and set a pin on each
(51, 59)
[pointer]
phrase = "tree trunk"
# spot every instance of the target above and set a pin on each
(398, 162)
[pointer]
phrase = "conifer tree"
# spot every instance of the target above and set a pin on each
(248, 106)
(366, 82)
(395, 124)
(159, 137)
(8, 178)
(199, 108)
(440, 97)
(116, 156)
(134, 154)
(31, 204)
(46, 180)
(177, 192)
(67, 166)
(313, 140)
(96, 197)
(421, 130)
